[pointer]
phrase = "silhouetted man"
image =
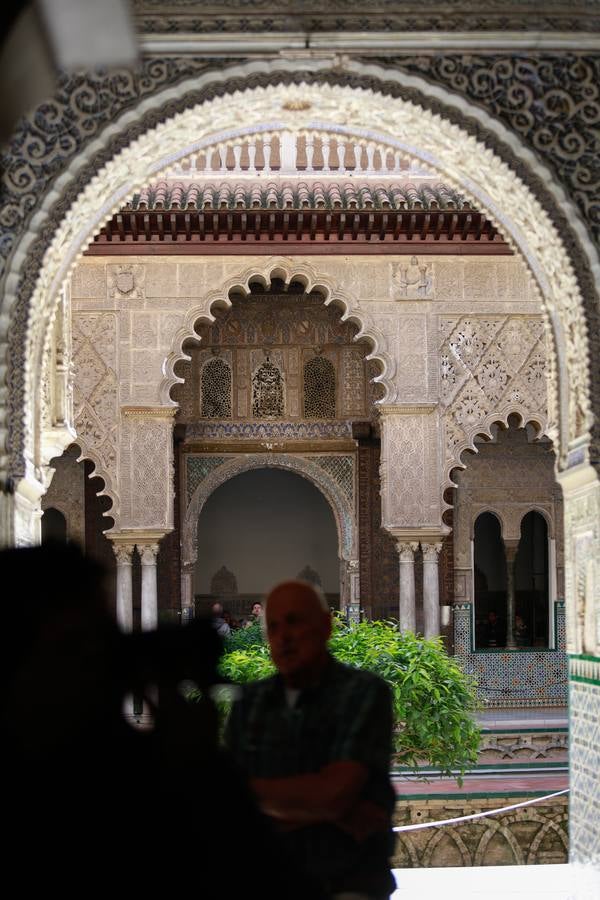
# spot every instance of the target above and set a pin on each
(315, 740)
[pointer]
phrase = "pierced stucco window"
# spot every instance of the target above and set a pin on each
(319, 389)
(267, 392)
(215, 390)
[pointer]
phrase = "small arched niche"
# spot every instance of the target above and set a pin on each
(489, 582)
(264, 526)
(54, 526)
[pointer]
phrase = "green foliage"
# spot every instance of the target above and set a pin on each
(434, 700)
(244, 638)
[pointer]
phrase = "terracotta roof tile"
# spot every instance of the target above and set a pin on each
(296, 195)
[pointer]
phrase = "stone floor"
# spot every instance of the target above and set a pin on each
(557, 882)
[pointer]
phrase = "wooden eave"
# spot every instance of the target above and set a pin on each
(179, 232)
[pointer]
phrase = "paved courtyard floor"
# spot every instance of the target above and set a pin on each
(556, 882)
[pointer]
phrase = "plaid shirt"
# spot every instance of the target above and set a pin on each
(346, 716)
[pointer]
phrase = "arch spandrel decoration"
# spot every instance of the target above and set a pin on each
(491, 185)
(287, 269)
(308, 468)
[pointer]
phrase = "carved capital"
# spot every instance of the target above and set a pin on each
(148, 554)
(123, 553)
(431, 552)
(406, 551)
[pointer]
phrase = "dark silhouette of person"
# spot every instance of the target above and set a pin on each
(91, 803)
(315, 741)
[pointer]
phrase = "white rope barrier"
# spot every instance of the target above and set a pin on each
(479, 815)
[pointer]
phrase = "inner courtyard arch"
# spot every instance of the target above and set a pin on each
(490, 185)
(263, 526)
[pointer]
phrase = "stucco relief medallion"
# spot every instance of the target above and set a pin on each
(413, 281)
(126, 282)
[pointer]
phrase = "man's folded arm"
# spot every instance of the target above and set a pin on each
(323, 796)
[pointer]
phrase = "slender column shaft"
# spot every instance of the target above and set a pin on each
(511, 552)
(148, 553)
(407, 611)
(187, 593)
(123, 553)
(431, 589)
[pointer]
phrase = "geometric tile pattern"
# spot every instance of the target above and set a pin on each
(341, 469)
(584, 756)
(513, 677)
(198, 468)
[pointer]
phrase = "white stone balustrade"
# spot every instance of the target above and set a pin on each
(292, 153)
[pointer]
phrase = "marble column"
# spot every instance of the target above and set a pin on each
(148, 554)
(431, 589)
(123, 553)
(187, 592)
(352, 589)
(407, 611)
(511, 548)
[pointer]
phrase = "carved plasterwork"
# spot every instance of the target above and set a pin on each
(277, 329)
(126, 282)
(95, 395)
(509, 476)
(490, 367)
(146, 469)
(409, 467)
(306, 466)
(491, 185)
(413, 279)
(582, 552)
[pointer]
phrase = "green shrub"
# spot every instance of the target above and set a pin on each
(434, 700)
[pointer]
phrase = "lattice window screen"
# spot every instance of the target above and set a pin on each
(267, 392)
(216, 390)
(319, 389)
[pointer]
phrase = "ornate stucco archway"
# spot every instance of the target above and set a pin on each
(309, 469)
(287, 270)
(339, 495)
(433, 139)
(447, 133)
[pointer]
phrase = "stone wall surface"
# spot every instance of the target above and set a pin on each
(536, 834)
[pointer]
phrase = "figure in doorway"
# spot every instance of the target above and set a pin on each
(315, 741)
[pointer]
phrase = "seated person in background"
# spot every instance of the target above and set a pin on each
(315, 741)
(492, 631)
(520, 632)
(221, 626)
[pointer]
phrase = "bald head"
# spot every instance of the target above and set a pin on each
(298, 626)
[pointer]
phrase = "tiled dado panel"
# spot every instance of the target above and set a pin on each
(584, 754)
(513, 677)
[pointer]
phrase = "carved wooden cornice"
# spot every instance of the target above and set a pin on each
(148, 412)
(300, 230)
(407, 409)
